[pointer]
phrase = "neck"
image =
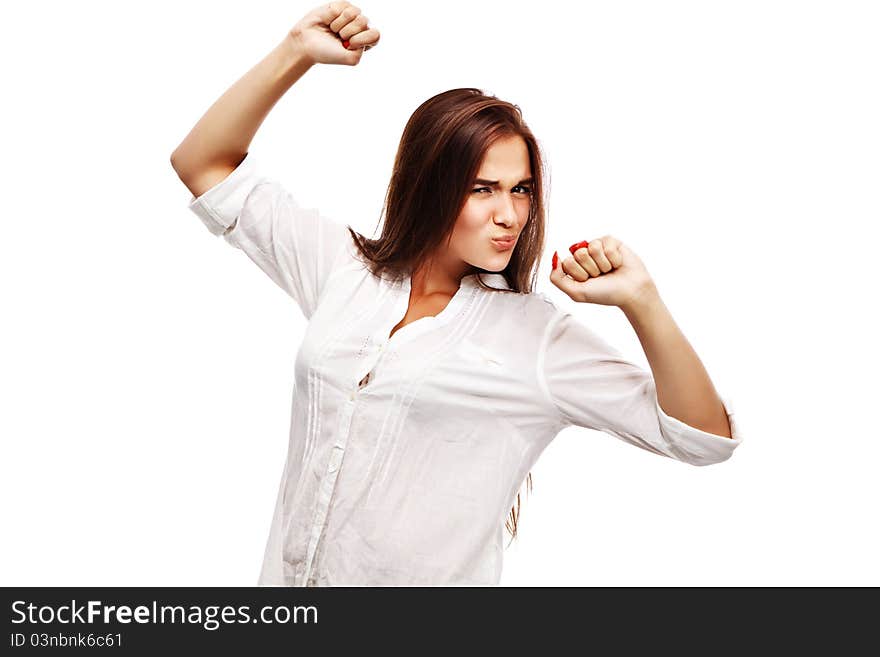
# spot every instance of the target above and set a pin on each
(434, 279)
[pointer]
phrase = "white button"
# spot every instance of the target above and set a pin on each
(335, 458)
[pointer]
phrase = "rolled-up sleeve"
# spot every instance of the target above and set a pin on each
(588, 383)
(296, 247)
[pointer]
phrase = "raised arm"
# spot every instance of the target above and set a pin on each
(220, 140)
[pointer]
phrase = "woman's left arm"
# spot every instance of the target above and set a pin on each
(607, 272)
(684, 389)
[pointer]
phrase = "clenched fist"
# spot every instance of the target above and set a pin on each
(603, 271)
(335, 33)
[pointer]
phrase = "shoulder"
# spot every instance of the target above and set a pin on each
(532, 310)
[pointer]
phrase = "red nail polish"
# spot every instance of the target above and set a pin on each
(555, 260)
(578, 245)
(345, 43)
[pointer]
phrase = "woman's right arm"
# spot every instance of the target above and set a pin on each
(220, 140)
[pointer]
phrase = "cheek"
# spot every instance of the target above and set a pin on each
(468, 226)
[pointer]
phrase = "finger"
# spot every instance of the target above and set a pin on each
(584, 259)
(571, 267)
(348, 14)
(563, 282)
(597, 252)
(328, 13)
(365, 40)
(613, 249)
(357, 25)
(615, 257)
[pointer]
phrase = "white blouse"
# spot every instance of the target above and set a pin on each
(406, 454)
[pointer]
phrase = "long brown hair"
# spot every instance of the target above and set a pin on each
(439, 155)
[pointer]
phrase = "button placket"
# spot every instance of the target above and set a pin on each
(328, 484)
(337, 454)
(335, 459)
(368, 376)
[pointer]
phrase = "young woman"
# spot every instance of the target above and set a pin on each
(431, 377)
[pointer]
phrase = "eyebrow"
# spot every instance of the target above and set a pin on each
(494, 183)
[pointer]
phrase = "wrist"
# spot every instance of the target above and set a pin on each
(644, 301)
(296, 57)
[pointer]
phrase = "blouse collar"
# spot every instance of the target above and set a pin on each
(463, 301)
(490, 279)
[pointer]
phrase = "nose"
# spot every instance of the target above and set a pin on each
(506, 212)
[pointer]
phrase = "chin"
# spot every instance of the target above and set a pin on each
(494, 265)
(497, 268)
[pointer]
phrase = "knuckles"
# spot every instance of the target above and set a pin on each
(585, 257)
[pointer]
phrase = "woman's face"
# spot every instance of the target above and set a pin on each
(497, 206)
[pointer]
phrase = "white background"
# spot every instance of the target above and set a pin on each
(147, 367)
